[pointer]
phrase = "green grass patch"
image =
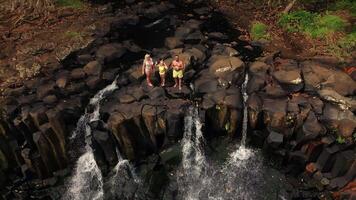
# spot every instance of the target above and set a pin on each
(312, 24)
(77, 4)
(259, 31)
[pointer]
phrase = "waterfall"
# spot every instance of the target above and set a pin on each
(87, 180)
(243, 153)
(194, 167)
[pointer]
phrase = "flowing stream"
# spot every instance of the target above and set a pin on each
(87, 180)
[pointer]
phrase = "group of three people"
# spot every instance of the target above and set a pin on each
(148, 68)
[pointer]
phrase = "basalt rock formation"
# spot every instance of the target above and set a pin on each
(304, 113)
(301, 111)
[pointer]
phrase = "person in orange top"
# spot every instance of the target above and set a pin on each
(148, 68)
(178, 68)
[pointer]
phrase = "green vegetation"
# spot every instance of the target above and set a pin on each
(259, 31)
(345, 5)
(348, 42)
(77, 4)
(340, 140)
(314, 25)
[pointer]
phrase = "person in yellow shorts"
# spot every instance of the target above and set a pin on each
(178, 68)
(162, 69)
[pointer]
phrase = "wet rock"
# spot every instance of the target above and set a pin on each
(175, 125)
(255, 83)
(342, 181)
(56, 142)
(38, 115)
(47, 155)
(130, 132)
(254, 105)
(343, 163)
(107, 145)
(274, 139)
(153, 117)
(93, 68)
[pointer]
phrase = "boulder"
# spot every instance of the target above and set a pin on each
(224, 50)
(110, 53)
(311, 129)
(275, 113)
(50, 99)
(93, 68)
(126, 99)
(290, 80)
(93, 82)
(157, 92)
(45, 89)
(194, 38)
(62, 79)
(227, 68)
(274, 139)
(334, 97)
(221, 37)
(205, 85)
(173, 42)
(317, 75)
(77, 73)
(259, 67)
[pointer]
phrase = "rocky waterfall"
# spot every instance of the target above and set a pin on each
(249, 127)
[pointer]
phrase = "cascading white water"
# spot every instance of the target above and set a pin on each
(193, 177)
(87, 180)
(243, 153)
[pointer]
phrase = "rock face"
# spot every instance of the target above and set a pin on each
(303, 112)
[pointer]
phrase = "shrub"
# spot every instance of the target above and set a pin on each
(259, 31)
(345, 5)
(70, 3)
(348, 43)
(297, 21)
(314, 25)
